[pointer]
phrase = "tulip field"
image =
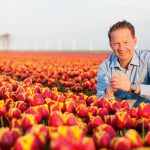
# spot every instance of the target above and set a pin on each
(48, 102)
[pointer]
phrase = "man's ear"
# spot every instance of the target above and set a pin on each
(135, 40)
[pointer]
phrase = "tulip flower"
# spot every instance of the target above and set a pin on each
(6, 139)
(27, 142)
(120, 143)
(2, 108)
(28, 120)
(134, 137)
(55, 119)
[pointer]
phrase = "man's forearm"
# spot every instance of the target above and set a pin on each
(138, 89)
(109, 91)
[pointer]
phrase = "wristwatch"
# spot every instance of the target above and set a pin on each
(133, 87)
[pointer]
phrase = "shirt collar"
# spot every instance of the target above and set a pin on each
(134, 61)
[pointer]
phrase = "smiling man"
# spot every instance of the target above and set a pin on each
(126, 73)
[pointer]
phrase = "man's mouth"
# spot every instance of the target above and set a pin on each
(122, 54)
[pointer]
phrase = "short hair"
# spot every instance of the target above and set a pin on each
(122, 25)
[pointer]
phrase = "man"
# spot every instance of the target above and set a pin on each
(126, 73)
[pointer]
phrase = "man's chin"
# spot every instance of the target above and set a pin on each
(123, 59)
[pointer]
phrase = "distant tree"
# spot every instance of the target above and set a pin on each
(5, 40)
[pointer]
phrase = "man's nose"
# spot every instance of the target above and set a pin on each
(121, 46)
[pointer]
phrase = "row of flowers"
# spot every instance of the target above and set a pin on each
(36, 117)
(49, 102)
(68, 72)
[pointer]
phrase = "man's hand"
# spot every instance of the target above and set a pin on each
(110, 91)
(120, 81)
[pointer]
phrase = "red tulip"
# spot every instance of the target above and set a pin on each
(70, 107)
(101, 139)
(133, 113)
(71, 120)
(102, 112)
(35, 99)
(107, 128)
(144, 110)
(120, 143)
(27, 142)
(2, 108)
(94, 122)
(114, 105)
(134, 138)
(91, 99)
(125, 104)
(121, 120)
(55, 119)
(92, 110)
(14, 113)
(41, 132)
(28, 120)
(82, 111)
(6, 139)
(34, 111)
(88, 144)
(147, 138)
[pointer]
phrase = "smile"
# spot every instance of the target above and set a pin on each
(122, 54)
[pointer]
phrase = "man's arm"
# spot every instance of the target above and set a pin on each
(145, 88)
(121, 81)
(138, 89)
(103, 87)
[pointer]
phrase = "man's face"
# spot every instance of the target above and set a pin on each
(123, 44)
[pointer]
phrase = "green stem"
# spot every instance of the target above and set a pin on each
(121, 133)
(2, 122)
(143, 130)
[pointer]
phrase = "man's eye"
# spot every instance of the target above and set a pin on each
(115, 44)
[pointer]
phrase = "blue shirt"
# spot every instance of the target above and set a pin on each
(138, 71)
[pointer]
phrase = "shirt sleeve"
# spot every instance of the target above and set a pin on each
(103, 77)
(145, 88)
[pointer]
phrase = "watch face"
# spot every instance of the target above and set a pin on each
(133, 87)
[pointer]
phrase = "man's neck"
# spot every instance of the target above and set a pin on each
(124, 64)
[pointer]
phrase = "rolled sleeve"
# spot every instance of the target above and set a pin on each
(145, 90)
(102, 81)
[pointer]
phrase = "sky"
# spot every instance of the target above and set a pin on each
(70, 24)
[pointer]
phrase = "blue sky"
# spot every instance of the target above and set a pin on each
(71, 24)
